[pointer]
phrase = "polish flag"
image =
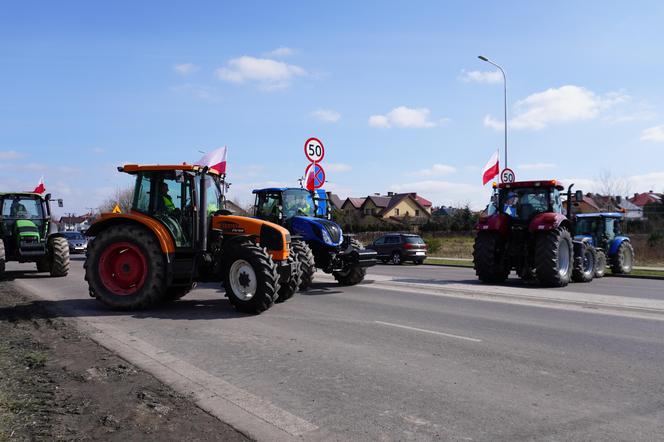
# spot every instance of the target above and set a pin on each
(310, 177)
(41, 188)
(215, 160)
(491, 169)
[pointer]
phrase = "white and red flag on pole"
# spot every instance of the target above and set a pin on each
(215, 160)
(41, 188)
(309, 179)
(491, 169)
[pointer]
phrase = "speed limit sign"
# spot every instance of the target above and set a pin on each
(314, 150)
(507, 176)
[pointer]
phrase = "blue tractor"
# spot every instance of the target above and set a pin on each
(317, 242)
(604, 231)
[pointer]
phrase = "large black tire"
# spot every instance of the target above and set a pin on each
(148, 268)
(585, 262)
(554, 257)
(306, 262)
(287, 290)
(355, 274)
(58, 251)
(600, 264)
(623, 260)
(489, 259)
(247, 265)
(2, 258)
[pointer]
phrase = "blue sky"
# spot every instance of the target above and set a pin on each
(394, 90)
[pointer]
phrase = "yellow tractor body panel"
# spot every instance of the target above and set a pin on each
(161, 233)
(232, 225)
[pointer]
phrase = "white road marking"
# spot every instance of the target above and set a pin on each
(433, 332)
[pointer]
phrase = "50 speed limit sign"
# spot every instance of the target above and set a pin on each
(314, 150)
(507, 176)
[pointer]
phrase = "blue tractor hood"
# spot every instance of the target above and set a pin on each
(317, 229)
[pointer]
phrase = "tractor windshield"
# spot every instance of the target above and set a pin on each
(526, 202)
(22, 208)
(298, 202)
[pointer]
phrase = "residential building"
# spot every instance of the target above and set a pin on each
(74, 223)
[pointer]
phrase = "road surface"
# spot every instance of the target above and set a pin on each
(400, 358)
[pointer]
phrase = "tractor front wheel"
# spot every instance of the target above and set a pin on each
(554, 258)
(600, 264)
(488, 258)
(585, 263)
(58, 256)
(287, 290)
(250, 277)
(125, 268)
(354, 274)
(623, 260)
(306, 262)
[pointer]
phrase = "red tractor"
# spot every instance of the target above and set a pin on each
(526, 230)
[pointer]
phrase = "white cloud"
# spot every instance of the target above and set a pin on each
(489, 77)
(185, 68)
(655, 134)
(536, 166)
(404, 117)
(565, 104)
(435, 169)
(280, 52)
(268, 74)
(10, 155)
(337, 167)
(326, 115)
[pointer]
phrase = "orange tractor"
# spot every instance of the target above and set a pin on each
(176, 235)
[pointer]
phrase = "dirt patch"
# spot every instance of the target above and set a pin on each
(57, 384)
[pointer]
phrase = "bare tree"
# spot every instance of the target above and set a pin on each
(611, 186)
(122, 196)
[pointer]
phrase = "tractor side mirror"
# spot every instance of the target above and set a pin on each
(578, 196)
(60, 204)
(48, 197)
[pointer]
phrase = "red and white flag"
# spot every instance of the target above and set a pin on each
(309, 179)
(41, 188)
(215, 160)
(491, 169)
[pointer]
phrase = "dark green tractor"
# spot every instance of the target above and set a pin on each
(27, 233)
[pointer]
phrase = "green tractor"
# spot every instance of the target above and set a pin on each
(27, 233)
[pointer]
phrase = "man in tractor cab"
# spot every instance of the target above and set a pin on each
(297, 205)
(166, 200)
(18, 210)
(510, 204)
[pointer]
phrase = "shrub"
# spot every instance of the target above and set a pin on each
(433, 244)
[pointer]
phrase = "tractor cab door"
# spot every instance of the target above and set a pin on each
(268, 207)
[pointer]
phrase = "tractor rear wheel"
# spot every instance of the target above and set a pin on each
(2, 258)
(554, 257)
(623, 260)
(287, 290)
(585, 263)
(125, 268)
(250, 277)
(488, 258)
(58, 251)
(600, 264)
(306, 262)
(354, 274)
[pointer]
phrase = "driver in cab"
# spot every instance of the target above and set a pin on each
(509, 207)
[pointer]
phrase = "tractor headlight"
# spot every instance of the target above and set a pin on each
(326, 237)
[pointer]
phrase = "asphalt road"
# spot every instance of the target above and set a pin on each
(387, 363)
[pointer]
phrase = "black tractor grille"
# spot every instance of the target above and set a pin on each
(332, 229)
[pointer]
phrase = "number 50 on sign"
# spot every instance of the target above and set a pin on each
(314, 150)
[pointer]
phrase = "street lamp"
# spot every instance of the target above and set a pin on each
(483, 58)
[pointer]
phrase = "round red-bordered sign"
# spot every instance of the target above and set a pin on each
(317, 179)
(507, 176)
(314, 150)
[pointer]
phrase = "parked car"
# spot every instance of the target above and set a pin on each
(399, 247)
(77, 242)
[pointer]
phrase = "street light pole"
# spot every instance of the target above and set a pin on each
(483, 58)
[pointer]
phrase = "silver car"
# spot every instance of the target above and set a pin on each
(77, 242)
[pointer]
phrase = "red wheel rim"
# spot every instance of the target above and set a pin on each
(123, 268)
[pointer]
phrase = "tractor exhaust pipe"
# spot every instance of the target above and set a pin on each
(202, 213)
(569, 201)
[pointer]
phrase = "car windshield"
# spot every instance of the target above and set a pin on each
(414, 240)
(22, 208)
(73, 235)
(524, 203)
(298, 202)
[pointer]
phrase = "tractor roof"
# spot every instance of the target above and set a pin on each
(135, 168)
(28, 194)
(276, 189)
(539, 183)
(601, 215)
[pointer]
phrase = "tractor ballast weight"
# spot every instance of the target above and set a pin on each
(318, 242)
(28, 234)
(603, 230)
(525, 230)
(176, 235)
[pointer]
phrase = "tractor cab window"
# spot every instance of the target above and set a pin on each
(268, 206)
(524, 203)
(214, 195)
(556, 204)
(298, 202)
(609, 228)
(142, 192)
(22, 208)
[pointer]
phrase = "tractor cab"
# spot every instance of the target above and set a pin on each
(522, 201)
(601, 228)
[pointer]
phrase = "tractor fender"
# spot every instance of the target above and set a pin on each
(617, 241)
(273, 237)
(585, 238)
(495, 223)
(548, 221)
(159, 230)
